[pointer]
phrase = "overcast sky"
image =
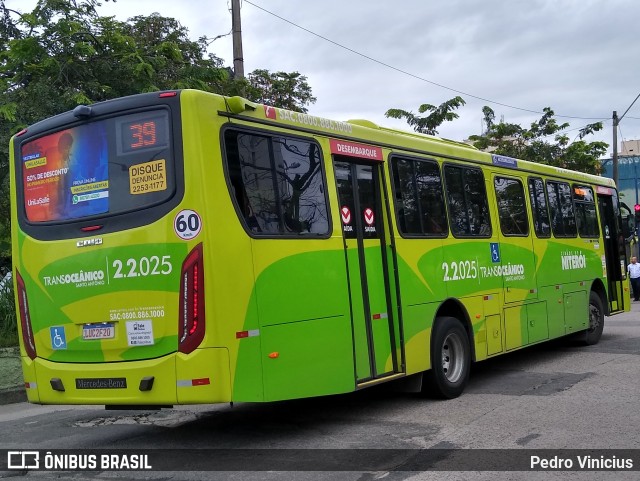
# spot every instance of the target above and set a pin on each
(579, 57)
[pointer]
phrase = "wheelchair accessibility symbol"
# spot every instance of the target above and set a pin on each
(495, 252)
(58, 339)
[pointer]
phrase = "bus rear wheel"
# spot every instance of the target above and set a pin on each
(596, 320)
(450, 359)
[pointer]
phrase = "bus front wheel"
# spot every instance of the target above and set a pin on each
(596, 320)
(450, 359)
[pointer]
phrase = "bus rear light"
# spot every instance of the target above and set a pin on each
(167, 94)
(25, 320)
(194, 307)
(191, 325)
(22, 132)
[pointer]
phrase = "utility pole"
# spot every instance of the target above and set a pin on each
(616, 122)
(238, 61)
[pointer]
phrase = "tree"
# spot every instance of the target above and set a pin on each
(531, 144)
(430, 123)
(281, 89)
(63, 54)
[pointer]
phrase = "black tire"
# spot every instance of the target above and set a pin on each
(596, 320)
(450, 359)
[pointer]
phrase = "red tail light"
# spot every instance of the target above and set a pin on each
(25, 320)
(191, 326)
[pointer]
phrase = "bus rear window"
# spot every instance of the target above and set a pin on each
(105, 167)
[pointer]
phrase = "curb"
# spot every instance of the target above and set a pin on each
(11, 396)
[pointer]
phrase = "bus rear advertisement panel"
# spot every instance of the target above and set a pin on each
(180, 247)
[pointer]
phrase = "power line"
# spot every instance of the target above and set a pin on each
(628, 108)
(414, 75)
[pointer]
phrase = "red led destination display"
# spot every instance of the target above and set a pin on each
(143, 132)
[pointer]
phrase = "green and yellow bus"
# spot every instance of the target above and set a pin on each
(183, 247)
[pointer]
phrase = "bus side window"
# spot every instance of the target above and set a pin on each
(563, 219)
(418, 196)
(467, 201)
(586, 211)
(277, 183)
(239, 149)
(539, 208)
(512, 208)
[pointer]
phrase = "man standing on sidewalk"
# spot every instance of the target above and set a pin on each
(634, 275)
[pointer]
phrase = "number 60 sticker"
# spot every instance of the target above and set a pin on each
(187, 224)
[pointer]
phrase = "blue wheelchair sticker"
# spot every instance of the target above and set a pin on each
(495, 252)
(58, 339)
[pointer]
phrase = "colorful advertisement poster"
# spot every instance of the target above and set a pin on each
(65, 175)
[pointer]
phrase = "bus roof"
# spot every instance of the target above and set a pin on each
(399, 140)
(359, 131)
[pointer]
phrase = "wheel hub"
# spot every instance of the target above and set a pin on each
(452, 357)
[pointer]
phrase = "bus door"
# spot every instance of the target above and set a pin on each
(614, 252)
(375, 319)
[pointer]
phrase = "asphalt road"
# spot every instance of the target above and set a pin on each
(554, 396)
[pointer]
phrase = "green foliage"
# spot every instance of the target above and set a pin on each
(8, 321)
(430, 123)
(515, 141)
(286, 90)
(531, 144)
(63, 54)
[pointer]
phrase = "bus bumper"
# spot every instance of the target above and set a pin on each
(197, 378)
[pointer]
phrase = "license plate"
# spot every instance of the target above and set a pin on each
(98, 331)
